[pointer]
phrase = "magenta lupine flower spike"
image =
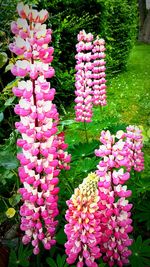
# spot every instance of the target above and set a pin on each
(63, 157)
(135, 144)
(83, 229)
(83, 82)
(41, 159)
(98, 72)
(113, 171)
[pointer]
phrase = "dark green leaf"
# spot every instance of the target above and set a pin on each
(87, 165)
(2, 217)
(3, 59)
(82, 150)
(23, 255)
(9, 101)
(63, 260)
(140, 253)
(59, 260)
(61, 237)
(12, 259)
(51, 262)
(8, 160)
(14, 200)
(1, 116)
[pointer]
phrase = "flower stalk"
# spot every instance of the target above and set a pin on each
(43, 154)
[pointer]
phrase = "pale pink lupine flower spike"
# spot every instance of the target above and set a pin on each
(83, 229)
(83, 84)
(98, 72)
(135, 144)
(43, 154)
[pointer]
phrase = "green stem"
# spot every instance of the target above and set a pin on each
(38, 258)
(101, 109)
(69, 184)
(86, 132)
(17, 179)
(1, 83)
(4, 202)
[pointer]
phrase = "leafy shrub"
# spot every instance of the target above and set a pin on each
(118, 27)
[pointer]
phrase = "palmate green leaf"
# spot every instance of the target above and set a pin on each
(8, 160)
(15, 199)
(87, 165)
(59, 260)
(82, 150)
(143, 185)
(63, 260)
(140, 253)
(5, 175)
(51, 262)
(23, 255)
(12, 259)
(143, 213)
(61, 237)
(72, 139)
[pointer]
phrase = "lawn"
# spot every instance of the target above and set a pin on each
(129, 92)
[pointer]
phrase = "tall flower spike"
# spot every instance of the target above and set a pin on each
(40, 157)
(98, 72)
(135, 144)
(83, 82)
(83, 229)
(117, 160)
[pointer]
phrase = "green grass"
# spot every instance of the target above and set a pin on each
(130, 90)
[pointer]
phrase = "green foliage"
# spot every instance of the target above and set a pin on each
(1, 116)
(8, 162)
(8, 13)
(60, 261)
(118, 27)
(140, 253)
(142, 214)
(61, 237)
(14, 199)
(82, 150)
(3, 59)
(21, 258)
